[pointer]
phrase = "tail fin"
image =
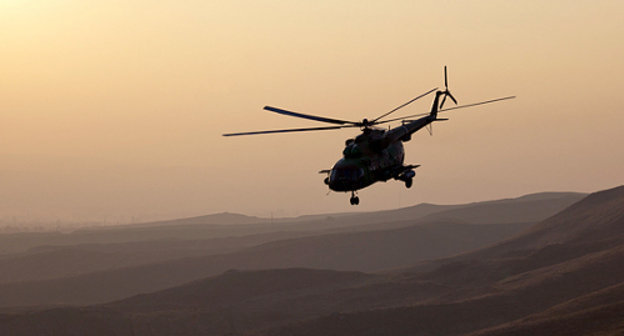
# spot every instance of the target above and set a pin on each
(436, 104)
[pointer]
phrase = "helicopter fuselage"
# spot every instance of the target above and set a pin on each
(373, 156)
(358, 169)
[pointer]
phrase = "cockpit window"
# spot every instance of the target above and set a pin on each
(347, 173)
(352, 151)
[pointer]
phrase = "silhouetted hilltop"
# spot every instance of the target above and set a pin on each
(598, 218)
(528, 208)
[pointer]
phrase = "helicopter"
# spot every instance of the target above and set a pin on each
(375, 155)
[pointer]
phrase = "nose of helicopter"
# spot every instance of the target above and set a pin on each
(344, 177)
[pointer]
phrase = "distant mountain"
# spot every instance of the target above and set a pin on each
(224, 218)
(75, 274)
(562, 275)
(529, 208)
(234, 225)
(93, 250)
(53, 262)
(357, 251)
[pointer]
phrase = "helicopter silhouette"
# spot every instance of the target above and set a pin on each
(376, 154)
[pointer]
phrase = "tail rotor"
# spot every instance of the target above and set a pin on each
(446, 91)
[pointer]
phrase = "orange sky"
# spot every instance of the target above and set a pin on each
(116, 109)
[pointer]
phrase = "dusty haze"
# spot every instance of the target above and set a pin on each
(115, 110)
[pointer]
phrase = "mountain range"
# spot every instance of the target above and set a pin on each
(542, 264)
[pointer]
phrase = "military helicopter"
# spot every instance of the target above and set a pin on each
(376, 154)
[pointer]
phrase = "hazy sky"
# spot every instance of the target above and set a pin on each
(115, 109)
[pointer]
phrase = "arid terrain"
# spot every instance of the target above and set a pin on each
(542, 264)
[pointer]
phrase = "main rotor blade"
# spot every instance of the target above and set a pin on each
(450, 109)
(289, 130)
(308, 116)
(403, 105)
(476, 104)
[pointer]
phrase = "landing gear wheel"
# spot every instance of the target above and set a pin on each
(354, 200)
(408, 183)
